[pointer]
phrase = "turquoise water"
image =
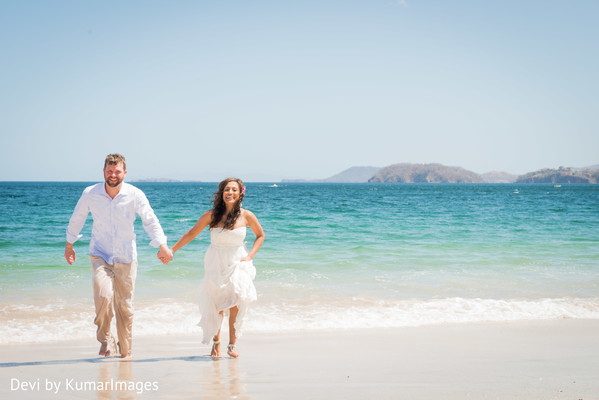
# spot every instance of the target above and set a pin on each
(336, 256)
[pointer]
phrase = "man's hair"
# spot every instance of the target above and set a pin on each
(114, 159)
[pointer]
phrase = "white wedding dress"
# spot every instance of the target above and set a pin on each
(227, 283)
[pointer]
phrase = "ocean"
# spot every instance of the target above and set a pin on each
(336, 256)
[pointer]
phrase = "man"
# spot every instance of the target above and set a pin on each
(114, 206)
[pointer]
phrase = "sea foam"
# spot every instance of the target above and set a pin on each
(25, 324)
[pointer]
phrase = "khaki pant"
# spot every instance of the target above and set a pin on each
(114, 286)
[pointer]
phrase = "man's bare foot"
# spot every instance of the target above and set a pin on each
(126, 357)
(104, 350)
(215, 348)
(231, 350)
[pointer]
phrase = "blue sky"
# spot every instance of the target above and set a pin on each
(266, 90)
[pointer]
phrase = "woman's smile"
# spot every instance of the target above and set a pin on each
(231, 192)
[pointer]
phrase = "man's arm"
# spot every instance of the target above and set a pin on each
(75, 225)
(152, 227)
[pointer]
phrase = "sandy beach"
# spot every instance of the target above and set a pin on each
(525, 360)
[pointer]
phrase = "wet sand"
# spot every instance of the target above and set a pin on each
(524, 360)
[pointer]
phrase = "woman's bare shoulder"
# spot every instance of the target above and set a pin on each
(207, 216)
(247, 213)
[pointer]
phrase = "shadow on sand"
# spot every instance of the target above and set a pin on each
(97, 360)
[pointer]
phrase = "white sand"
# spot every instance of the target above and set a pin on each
(531, 360)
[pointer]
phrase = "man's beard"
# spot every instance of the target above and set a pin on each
(114, 184)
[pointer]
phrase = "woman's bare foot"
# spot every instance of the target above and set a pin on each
(231, 350)
(215, 348)
(104, 350)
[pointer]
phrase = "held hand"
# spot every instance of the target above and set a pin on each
(246, 258)
(165, 254)
(165, 260)
(69, 255)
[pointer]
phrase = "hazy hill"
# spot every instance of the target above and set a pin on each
(353, 174)
(156, 180)
(499, 177)
(560, 175)
(438, 173)
(350, 175)
(425, 173)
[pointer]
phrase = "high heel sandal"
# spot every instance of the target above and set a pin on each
(214, 352)
(231, 350)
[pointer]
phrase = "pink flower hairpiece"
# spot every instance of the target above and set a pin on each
(243, 190)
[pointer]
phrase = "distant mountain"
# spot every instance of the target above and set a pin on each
(350, 175)
(353, 174)
(425, 173)
(560, 175)
(438, 173)
(156, 180)
(499, 177)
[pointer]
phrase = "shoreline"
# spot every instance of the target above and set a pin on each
(553, 359)
(45, 320)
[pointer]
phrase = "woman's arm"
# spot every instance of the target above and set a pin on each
(193, 232)
(255, 226)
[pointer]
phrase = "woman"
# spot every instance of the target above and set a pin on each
(227, 287)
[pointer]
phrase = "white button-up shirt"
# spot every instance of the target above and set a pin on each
(113, 237)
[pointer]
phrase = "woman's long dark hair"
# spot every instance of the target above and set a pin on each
(219, 208)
